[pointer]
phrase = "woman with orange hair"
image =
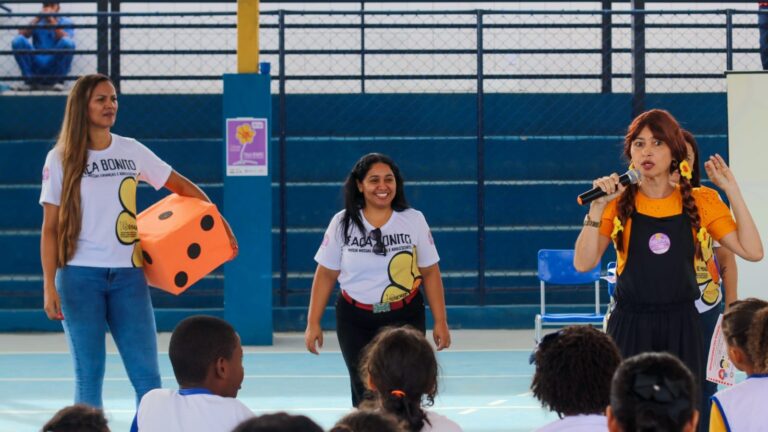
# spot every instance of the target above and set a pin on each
(658, 230)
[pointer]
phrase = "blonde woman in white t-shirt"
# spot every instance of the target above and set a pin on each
(91, 259)
(383, 256)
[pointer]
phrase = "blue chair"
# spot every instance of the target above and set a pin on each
(556, 268)
(610, 278)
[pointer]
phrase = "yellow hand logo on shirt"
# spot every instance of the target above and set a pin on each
(707, 275)
(404, 276)
(125, 226)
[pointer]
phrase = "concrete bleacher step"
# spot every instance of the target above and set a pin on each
(311, 205)
(323, 159)
(26, 292)
(531, 185)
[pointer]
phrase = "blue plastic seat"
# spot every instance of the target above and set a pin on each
(556, 268)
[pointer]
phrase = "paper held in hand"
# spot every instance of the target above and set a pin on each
(720, 370)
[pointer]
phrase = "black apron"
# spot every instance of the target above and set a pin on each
(656, 291)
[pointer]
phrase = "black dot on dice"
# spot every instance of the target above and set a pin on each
(165, 215)
(206, 223)
(193, 251)
(181, 279)
(147, 258)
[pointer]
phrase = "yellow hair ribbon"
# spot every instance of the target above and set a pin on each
(685, 170)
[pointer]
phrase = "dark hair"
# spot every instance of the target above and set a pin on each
(368, 421)
(196, 343)
(696, 174)
(77, 418)
(745, 326)
(653, 392)
(664, 128)
(278, 422)
(402, 367)
(354, 199)
(557, 384)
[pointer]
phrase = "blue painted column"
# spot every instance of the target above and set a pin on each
(248, 205)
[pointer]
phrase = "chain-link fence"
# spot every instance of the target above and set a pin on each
(413, 52)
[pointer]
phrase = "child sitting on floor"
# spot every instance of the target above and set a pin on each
(400, 368)
(207, 359)
(653, 392)
(742, 407)
(574, 368)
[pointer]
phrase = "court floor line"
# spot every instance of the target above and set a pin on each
(270, 376)
(247, 352)
(463, 409)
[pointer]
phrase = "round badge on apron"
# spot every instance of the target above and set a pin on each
(659, 243)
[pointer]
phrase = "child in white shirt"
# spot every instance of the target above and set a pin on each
(207, 359)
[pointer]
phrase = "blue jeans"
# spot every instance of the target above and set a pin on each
(43, 68)
(94, 299)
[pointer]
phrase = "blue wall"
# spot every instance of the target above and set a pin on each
(540, 152)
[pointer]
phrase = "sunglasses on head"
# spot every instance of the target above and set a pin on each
(378, 247)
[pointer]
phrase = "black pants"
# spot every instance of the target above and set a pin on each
(356, 327)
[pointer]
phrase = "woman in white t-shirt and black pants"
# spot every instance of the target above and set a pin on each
(89, 248)
(383, 256)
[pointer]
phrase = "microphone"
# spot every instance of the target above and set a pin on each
(630, 177)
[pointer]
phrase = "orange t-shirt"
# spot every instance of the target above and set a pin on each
(715, 215)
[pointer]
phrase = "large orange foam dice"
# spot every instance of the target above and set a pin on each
(182, 240)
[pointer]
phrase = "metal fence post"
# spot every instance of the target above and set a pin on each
(102, 37)
(607, 46)
(114, 51)
(638, 57)
(283, 164)
(362, 47)
(729, 39)
(480, 165)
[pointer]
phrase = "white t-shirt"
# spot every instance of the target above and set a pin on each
(578, 423)
(166, 410)
(108, 234)
(440, 423)
(369, 278)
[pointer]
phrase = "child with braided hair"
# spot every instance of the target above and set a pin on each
(741, 408)
(400, 369)
(658, 230)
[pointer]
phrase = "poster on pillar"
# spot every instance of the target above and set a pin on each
(247, 147)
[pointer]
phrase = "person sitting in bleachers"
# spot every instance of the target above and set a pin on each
(46, 31)
(207, 360)
(740, 408)
(653, 391)
(574, 367)
(77, 418)
(399, 368)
